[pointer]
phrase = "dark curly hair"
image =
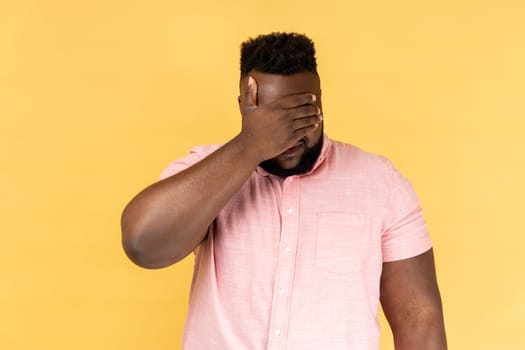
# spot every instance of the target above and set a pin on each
(278, 53)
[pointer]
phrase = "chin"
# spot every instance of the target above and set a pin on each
(288, 164)
(295, 162)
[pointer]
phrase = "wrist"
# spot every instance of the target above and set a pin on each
(249, 152)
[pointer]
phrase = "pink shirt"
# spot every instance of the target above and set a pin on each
(295, 264)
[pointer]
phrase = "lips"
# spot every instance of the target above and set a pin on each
(293, 151)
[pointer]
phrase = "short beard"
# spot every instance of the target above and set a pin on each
(306, 164)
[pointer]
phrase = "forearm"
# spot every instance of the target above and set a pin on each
(168, 219)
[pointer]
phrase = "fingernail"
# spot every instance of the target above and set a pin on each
(320, 116)
(314, 98)
(316, 125)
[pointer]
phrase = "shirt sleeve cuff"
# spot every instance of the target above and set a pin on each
(412, 248)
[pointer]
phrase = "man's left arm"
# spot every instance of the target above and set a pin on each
(412, 303)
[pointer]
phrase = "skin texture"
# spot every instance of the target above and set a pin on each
(167, 220)
(412, 303)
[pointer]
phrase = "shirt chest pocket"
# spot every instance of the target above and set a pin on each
(345, 242)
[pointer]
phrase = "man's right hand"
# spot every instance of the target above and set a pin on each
(272, 128)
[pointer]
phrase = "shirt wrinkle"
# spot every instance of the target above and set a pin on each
(295, 264)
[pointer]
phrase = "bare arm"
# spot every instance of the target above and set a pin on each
(168, 219)
(412, 303)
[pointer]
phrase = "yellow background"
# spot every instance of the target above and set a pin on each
(96, 97)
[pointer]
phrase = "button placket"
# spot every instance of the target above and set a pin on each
(285, 266)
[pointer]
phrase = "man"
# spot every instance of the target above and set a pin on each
(296, 237)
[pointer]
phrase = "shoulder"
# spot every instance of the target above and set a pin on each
(195, 155)
(357, 159)
(374, 170)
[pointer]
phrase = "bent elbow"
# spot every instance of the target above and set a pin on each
(136, 252)
(136, 247)
(148, 244)
(143, 255)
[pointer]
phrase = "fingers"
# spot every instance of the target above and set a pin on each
(296, 100)
(304, 111)
(300, 133)
(250, 96)
(304, 116)
(307, 122)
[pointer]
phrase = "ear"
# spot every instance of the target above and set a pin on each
(239, 102)
(248, 96)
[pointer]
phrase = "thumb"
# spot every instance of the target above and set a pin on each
(250, 95)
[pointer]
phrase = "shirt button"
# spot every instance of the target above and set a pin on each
(281, 291)
(288, 249)
(290, 210)
(277, 332)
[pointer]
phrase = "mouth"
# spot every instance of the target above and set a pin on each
(294, 150)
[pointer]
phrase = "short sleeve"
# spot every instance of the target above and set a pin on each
(405, 234)
(196, 154)
(179, 165)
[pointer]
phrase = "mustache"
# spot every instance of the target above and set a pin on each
(306, 164)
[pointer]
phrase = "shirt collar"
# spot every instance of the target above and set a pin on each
(325, 151)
